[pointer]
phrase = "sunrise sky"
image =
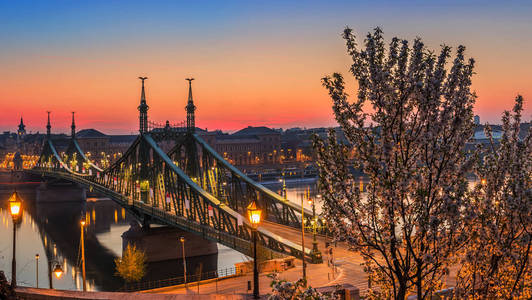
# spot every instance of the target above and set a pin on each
(255, 62)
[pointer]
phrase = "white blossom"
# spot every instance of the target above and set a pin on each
(411, 147)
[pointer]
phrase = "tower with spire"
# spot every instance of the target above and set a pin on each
(73, 127)
(48, 126)
(190, 108)
(143, 109)
(21, 128)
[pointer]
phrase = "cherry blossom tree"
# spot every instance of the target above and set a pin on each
(496, 263)
(407, 225)
(283, 289)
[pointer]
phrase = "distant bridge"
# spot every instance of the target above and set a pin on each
(191, 187)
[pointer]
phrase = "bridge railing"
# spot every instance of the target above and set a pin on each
(192, 280)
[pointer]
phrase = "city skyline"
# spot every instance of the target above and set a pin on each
(254, 65)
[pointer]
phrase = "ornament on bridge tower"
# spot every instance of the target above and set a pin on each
(187, 204)
(190, 108)
(73, 127)
(143, 109)
(48, 126)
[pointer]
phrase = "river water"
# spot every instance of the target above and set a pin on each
(52, 231)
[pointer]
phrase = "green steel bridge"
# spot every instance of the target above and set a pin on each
(191, 187)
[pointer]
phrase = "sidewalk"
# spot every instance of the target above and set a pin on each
(317, 274)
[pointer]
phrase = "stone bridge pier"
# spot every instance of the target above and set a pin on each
(164, 253)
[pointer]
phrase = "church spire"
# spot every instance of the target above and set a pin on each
(73, 127)
(190, 108)
(48, 126)
(143, 109)
(21, 127)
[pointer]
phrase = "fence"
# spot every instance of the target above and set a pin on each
(154, 284)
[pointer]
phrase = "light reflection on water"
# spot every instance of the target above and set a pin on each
(54, 229)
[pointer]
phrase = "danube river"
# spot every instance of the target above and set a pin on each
(51, 230)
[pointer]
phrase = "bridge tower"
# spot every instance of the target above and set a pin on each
(190, 108)
(73, 127)
(143, 109)
(48, 126)
(192, 163)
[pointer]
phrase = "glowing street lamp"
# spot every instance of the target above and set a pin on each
(58, 271)
(82, 222)
(37, 270)
(254, 214)
(15, 205)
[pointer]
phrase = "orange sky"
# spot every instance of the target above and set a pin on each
(251, 67)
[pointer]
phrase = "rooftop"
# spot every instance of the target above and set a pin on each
(90, 133)
(255, 130)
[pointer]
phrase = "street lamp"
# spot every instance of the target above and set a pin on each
(58, 271)
(15, 205)
(283, 181)
(83, 254)
(314, 225)
(37, 270)
(254, 214)
(303, 242)
(182, 239)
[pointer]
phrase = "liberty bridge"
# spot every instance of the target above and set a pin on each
(190, 187)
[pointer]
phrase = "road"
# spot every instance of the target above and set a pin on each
(348, 269)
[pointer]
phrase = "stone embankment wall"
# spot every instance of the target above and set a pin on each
(47, 294)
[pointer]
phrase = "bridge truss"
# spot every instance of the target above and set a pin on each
(192, 188)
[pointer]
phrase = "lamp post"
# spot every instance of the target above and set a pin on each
(182, 239)
(83, 254)
(15, 209)
(303, 242)
(57, 271)
(314, 225)
(37, 270)
(283, 181)
(254, 214)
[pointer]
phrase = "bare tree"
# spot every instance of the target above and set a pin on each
(496, 263)
(411, 146)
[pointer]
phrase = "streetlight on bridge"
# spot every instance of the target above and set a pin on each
(15, 205)
(313, 222)
(254, 214)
